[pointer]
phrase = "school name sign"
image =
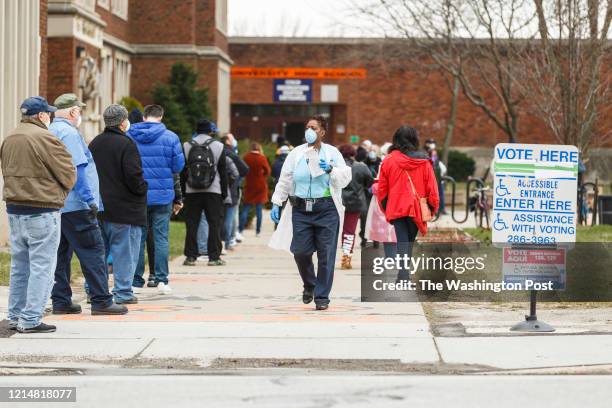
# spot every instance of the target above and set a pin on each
(534, 201)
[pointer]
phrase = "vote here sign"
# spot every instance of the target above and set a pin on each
(534, 201)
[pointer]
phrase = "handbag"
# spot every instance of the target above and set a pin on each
(425, 210)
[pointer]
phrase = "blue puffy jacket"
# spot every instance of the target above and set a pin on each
(162, 155)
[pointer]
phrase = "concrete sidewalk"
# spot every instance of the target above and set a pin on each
(249, 314)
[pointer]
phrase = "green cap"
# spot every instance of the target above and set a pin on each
(68, 100)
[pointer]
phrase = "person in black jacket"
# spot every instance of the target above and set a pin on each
(124, 195)
(354, 201)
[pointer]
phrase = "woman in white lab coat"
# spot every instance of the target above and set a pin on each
(312, 179)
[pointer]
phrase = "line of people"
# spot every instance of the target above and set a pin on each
(106, 201)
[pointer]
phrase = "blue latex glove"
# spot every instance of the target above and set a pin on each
(325, 166)
(275, 214)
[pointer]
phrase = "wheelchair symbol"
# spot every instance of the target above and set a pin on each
(499, 224)
(501, 190)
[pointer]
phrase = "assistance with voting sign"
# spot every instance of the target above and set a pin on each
(534, 199)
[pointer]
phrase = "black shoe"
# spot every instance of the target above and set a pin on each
(41, 328)
(113, 309)
(307, 296)
(190, 261)
(322, 307)
(12, 326)
(152, 284)
(72, 309)
(88, 300)
(131, 301)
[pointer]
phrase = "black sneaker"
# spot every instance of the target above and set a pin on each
(307, 296)
(113, 309)
(152, 284)
(322, 307)
(190, 261)
(12, 325)
(41, 328)
(71, 309)
(131, 301)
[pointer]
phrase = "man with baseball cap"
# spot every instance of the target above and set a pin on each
(80, 230)
(38, 174)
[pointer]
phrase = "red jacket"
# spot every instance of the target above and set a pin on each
(394, 187)
(256, 186)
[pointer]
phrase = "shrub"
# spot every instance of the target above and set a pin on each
(460, 165)
(131, 103)
(183, 102)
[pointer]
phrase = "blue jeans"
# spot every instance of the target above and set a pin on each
(34, 241)
(245, 213)
(228, 225)
(122, 242)
(203, 235)
(316, 231)
(159, 219)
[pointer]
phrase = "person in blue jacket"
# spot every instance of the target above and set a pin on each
(162, 156)
(80, 229)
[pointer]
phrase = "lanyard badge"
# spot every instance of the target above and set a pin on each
(309, 204)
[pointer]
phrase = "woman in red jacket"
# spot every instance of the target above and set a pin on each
(404, 168)
(256, 186)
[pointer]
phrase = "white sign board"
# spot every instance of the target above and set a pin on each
(535, 195)
(535, 267)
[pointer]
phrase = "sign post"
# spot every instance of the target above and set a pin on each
(534, 217)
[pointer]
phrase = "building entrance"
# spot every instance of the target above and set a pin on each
(267, 122)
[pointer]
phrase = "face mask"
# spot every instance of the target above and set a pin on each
(79, 120)
(311, 136)
(234, 143)
(127, 127)
(372, 156)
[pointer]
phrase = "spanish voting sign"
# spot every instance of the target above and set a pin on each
(535, 269)
(534, 201)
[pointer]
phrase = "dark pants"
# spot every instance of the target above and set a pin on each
(212, 205)
(316, 231)
(81, 234)
(348, 231)
(406, 232)
(363, 217)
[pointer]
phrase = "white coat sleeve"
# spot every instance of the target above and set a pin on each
(285, 181)
(341, 175)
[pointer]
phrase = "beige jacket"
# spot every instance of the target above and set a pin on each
(36, 167)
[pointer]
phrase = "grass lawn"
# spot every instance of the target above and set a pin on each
(177, 242)
(597, 233)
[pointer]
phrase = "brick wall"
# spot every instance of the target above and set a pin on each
(163, 21)
(395, 92)
(116, 26)
(60, 66)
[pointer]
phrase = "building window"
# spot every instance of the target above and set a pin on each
(105, 4)
(120, 8)
(221, 15)
(122, 73)
(106, 77)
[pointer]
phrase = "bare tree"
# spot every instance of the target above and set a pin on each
(568, 78)
(475, 42)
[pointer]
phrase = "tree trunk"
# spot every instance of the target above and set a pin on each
(452, 118)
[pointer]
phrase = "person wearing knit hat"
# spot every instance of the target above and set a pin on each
(124, 193)
(115, 115)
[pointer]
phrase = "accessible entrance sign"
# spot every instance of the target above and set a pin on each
(534, 202)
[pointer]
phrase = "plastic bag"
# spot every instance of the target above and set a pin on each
(377, 227)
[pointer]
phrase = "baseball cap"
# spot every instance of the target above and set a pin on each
(68, 100)
(34, 105)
